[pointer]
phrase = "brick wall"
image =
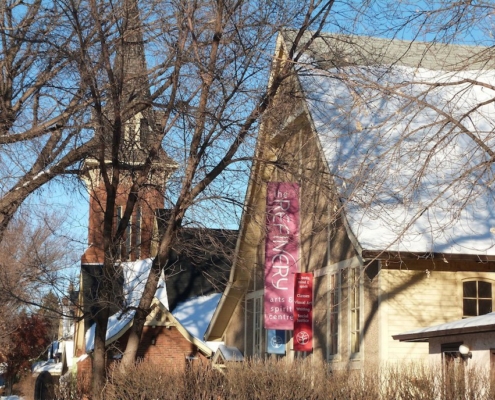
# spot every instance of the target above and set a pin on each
(169, 347)
(84, 375)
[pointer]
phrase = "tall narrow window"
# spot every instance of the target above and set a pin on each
(128, 237)
(476, 298)
(144, 130)
(333, 329)
(354, 305)
(139, 217)
(492, 370)
(119, 218)
(254, 337)
(258, 327)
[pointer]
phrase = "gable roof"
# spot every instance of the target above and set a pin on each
(408, 147)
(331, 50)
(135, 275)
(190, 317)
(200, 261)
(195, 314)
(358, 94)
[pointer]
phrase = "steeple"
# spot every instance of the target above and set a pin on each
(130, 62)
(140, 130)
(142, 124)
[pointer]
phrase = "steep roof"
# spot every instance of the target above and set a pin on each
(409, 147)
(195, 313)
(200, 262)
(141, 128)
(360, 95)
(134, 279)
(191, 316)
(331, 50)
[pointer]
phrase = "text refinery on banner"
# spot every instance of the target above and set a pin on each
(281, 254)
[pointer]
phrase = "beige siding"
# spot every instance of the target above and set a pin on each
(370, 327)
(415, 299)
(320, 315)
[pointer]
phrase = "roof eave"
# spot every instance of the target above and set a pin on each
(399, 255)
(425, 336)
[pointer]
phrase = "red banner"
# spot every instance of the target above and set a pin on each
(281, 253)
(303, 312)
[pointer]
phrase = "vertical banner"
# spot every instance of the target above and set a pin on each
(275, 341)
(281, 253)
(303, 312)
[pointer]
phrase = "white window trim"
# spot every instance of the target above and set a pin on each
(335, 270)
(258, 294)
(354, 262)
(358, 355)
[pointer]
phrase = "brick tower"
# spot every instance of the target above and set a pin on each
(140, 128)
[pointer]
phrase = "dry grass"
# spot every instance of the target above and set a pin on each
(302, 379)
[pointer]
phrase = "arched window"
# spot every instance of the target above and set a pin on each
(476, 298)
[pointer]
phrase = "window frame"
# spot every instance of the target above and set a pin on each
(334, 310)
(355, 310)
(477, 297)
(254, 310)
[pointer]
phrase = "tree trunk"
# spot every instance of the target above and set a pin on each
(9, 383)
(157, 266)
(136, 329)
(99, 364)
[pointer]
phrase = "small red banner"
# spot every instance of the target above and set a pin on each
(303, 312)
(281, 253)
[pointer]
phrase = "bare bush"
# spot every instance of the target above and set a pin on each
(258, 379)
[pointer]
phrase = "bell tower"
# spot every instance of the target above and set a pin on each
(139, 130)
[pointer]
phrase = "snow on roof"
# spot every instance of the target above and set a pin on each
(54, 368)
(195, 314)
(230, 353)
(413, 170)
(135, 276)
(484, 322)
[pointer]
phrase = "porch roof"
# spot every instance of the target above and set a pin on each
(481, 323)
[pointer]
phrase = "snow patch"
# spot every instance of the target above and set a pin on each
(410, 177)
(135, 276)
(195, 314)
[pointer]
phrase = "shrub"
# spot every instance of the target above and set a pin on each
(300, 379)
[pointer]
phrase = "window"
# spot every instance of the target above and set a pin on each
(119, 218)
(128, 233)
(139, 217)
(492, 369)
(476, 298)
(144, 131)
(354, 306)
(255, 334)
(258, 327)
(333, 310)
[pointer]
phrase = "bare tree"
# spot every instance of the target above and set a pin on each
(175, 91)
(201, 100)
(35, 257)
(42, 105)
(223, 99)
